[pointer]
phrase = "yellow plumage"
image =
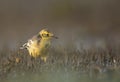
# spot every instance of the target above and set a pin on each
(39, 44)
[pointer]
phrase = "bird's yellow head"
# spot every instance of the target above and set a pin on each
(46, 34)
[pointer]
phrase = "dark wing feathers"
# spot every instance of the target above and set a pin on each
(30, 41)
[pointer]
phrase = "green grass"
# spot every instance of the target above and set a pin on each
(63, 65)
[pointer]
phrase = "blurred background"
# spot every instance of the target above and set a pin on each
(88, 22)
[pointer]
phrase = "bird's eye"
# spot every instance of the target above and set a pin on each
(47, 34)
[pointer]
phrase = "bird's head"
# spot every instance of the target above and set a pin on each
(45, 33)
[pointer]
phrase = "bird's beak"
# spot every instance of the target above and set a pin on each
(54, 36)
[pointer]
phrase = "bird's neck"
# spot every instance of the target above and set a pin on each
(46, 39)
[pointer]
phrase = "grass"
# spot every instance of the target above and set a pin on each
(64, 65)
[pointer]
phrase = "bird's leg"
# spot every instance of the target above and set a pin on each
(44, 59)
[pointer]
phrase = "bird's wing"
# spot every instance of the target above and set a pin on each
(31, 41)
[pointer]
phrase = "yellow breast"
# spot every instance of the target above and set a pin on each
(39, 49)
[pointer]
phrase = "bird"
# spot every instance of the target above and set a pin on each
(39, 44)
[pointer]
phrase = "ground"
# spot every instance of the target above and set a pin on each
(66, 65)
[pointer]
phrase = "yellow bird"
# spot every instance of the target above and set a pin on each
(39, 44)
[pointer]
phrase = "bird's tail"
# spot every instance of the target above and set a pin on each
(24, 46)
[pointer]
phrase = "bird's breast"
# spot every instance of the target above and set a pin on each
(44, 43)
